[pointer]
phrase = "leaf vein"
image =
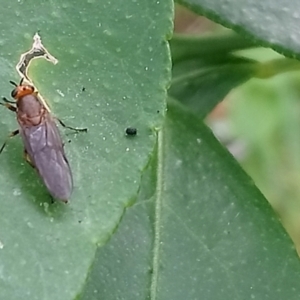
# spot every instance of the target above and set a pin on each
(157, 223)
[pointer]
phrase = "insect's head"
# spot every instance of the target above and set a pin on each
(21, 90)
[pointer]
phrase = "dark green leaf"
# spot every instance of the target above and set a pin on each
(202, 84)
(200, 229)
(118, 52)
(204, 70)
(274, 24)
(210, 47)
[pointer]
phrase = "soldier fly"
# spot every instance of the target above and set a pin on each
(43, 147)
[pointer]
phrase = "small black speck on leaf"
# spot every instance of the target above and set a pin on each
(131, 131)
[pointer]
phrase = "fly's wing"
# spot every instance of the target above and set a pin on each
(45, 149)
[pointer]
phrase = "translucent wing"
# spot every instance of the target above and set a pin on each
(45, 150)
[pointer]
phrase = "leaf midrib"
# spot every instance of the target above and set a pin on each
(157, 212)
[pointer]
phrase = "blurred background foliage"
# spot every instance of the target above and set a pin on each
(259, 123)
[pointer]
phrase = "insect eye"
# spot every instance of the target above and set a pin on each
(24, 89)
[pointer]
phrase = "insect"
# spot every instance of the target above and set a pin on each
(131, 131)
(43, 147)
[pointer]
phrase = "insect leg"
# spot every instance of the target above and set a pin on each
(13, 83)
(27, 158)
(72, 128)
(10, 136)
(8, 101)
(51, 199)
(8, 105)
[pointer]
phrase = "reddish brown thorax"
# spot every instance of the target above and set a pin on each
(22, 90)
(30, 111)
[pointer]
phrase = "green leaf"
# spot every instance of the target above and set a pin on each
(200, 228)
(274, 24)
(206, 83)
(205, 70)
(118, 52)
(208, 46)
